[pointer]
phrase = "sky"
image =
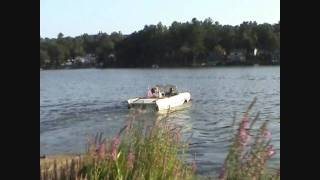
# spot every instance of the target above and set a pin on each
(76, 17)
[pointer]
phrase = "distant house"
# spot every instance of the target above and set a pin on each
(112, 57)
(87, 59)
(79, 60)
(68, 63)
(262, 52)
(46, 61)
(155, 66)
(272, 57)
(107, 62)
(214, 56)
(90, 58)
(237, 55)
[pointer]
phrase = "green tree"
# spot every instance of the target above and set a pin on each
(266, 38)
(44, 58)
(180, 44)
(57, 54)
(60, 36)
(219, 50)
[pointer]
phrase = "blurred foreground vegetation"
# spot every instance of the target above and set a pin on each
(156, 151)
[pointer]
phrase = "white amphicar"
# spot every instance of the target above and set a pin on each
(161, 98)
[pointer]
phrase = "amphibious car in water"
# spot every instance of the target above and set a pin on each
(160, 98)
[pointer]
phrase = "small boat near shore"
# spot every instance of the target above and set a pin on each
(155, 66)
(160, 98)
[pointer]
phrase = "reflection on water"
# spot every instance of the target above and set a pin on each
(77, 103)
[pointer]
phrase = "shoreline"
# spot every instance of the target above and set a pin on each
(180, 67)
(61, 160)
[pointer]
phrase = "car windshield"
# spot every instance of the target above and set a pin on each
(168, 89)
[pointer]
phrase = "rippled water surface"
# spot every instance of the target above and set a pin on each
(75, 103)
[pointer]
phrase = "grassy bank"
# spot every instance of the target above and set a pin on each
(156, 151)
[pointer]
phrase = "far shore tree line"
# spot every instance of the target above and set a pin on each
(194, 43)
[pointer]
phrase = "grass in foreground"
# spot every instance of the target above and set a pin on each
(156, 151)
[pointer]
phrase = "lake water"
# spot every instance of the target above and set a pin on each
(75, 103)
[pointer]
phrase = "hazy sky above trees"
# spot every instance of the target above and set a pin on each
(75, 17)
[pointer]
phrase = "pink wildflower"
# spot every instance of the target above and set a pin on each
(113, 154)
(114, 146)
(130, 159)
(101, 151)
(243, 136)
(267, 134)
(115, 141)
(91, 146)
(270, 151)
(194, 166)
(245, 122)
(221, 174)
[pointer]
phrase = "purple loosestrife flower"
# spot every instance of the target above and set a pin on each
(92, 149)
(222, 173)
(194, 166)
(113, 154)
(130, 159)
(243, 134)
(278, 173)
(270, 151)
(267, 134)
(245, 121)
(101, 150)
(115, 141)
(114, 146)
